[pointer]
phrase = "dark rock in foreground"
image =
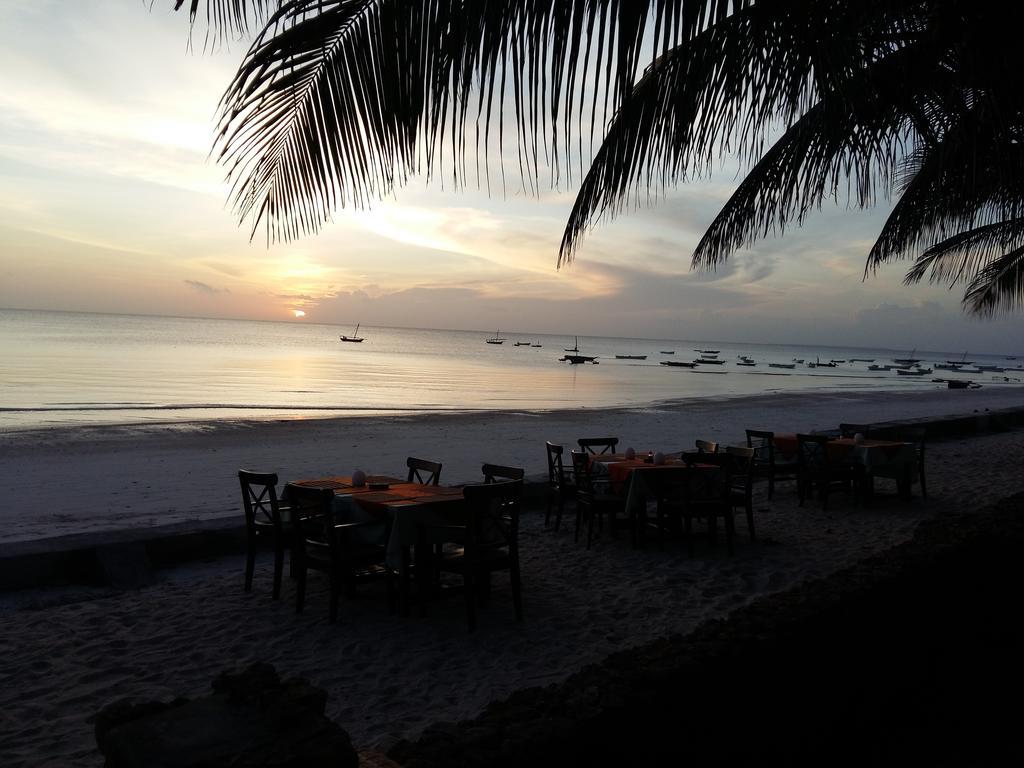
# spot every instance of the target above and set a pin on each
(252, 720)
(911, 657)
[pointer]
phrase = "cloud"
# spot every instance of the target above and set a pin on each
(204, 288)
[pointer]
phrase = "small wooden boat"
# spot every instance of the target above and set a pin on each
(879, 367)
(747, 363)
(707, 351)
(668, 351)
(862, 359)
(577, 359)
(497, 339)
(838, 361)
(708, 361)
(631, 357)
(914, 372)
(782, 365)
(907, 360)
(522, 344)
(354, 338)
(798, 360)
(678, 364)
(537, 345)
(575, 347)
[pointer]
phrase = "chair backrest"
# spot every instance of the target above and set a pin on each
(763, 444)
(259, 499)
(913, 435)
(492, 514)
(581, 474)
(496, 473)
(812, 452)
(741, 467)
(556, 467)
(847, 429)
(311, 510)
(423, 471)
(707, 446)
(598, 445)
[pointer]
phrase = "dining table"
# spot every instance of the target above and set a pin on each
(399, 505)
(882, 457)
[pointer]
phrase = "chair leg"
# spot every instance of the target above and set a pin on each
(517, 587)
(750, 519)
(579, 519)
(469, 587)
(250, 566)
(558, 512)
(278, 568)
(547, 510)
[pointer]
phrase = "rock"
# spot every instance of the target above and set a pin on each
(253, 719)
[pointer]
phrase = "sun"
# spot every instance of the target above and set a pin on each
(299, 313)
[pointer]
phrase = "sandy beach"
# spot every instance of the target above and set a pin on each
(66, 652)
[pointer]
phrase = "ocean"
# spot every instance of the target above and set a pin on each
(63, 368)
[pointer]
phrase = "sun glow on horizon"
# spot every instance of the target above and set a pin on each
(298, 313)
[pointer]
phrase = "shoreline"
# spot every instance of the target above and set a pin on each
(148, 475)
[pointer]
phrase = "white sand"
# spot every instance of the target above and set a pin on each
(64, 653)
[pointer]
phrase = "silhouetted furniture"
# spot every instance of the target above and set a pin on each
(820, 472)
(592, 503)
(767, 461)
(494, 473)
(741, 482)
(488, 542)
(336, 549)
(263, 519)
(423, 471)
(560, 486)
(699, 492)
(598, 445)
(916, 437)
(706, 446)
(847, 429)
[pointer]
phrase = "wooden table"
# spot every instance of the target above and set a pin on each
(405, 505)
(896, 459)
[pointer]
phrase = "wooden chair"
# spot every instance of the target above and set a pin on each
(706, 446)
(494, 473)
(598, 445)
(847, 429)
(767, 462)
(592, 503)
(263, 519)
(741, 482)
(819, 472)
(699, 493)
(489, 542)
(916, 436)
(560, 486)
(423, 472)
(333, 548)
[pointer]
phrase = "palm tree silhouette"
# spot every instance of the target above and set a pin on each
(338, 102)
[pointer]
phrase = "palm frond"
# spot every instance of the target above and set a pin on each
(959, 258)
(226, 18)
(998, 287)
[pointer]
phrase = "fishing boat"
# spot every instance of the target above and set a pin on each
(958, 363)
(955, 384)
(913, 372)
(577, 359)
(907, 360)
(879, 367)
(838, 361)
(497, 339)
(862, 359)
(782, 365)
(707, 351)
(537, 345)
(575, 347)
(354, 338)
(798, 360)
(989, 368)
(818, 364)
(631, 357)
(708, 361)
(668, 351)
(521, 344)
(678, 364)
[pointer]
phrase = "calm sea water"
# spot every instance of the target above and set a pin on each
(67, 368)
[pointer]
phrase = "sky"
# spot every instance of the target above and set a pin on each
(109, 203)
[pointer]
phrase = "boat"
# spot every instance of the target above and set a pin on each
(522, 344)
(879, 367)
(989, 368)
(707, 351)
(962, 361)
(907, 360)
(678, 364)
(954, 384)
(862, 359)
(818, 364)
(577, 359)
(537, 345)
(631, 357)
(914, 372)
(947, 366)
(668, 351)
(838, 361)
(747, 363)
(575, 347)
(782, 365)
(497, 339)
(354, 338)
(708, 361)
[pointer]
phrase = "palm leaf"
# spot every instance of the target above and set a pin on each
(999, 286)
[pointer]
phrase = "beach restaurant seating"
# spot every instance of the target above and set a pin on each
(488, 542)
(592, 503)
(347, 552)
(741, 482)
(916, 436)
(847, 429)
(767, 461)
(598, 445)
(706, 446)
(494, 473)
(423, 471)
(560, 485)
(264, 518)
(701, 494)
(822, 473)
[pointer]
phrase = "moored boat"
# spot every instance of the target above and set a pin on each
(678, 364)
(354, 338)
